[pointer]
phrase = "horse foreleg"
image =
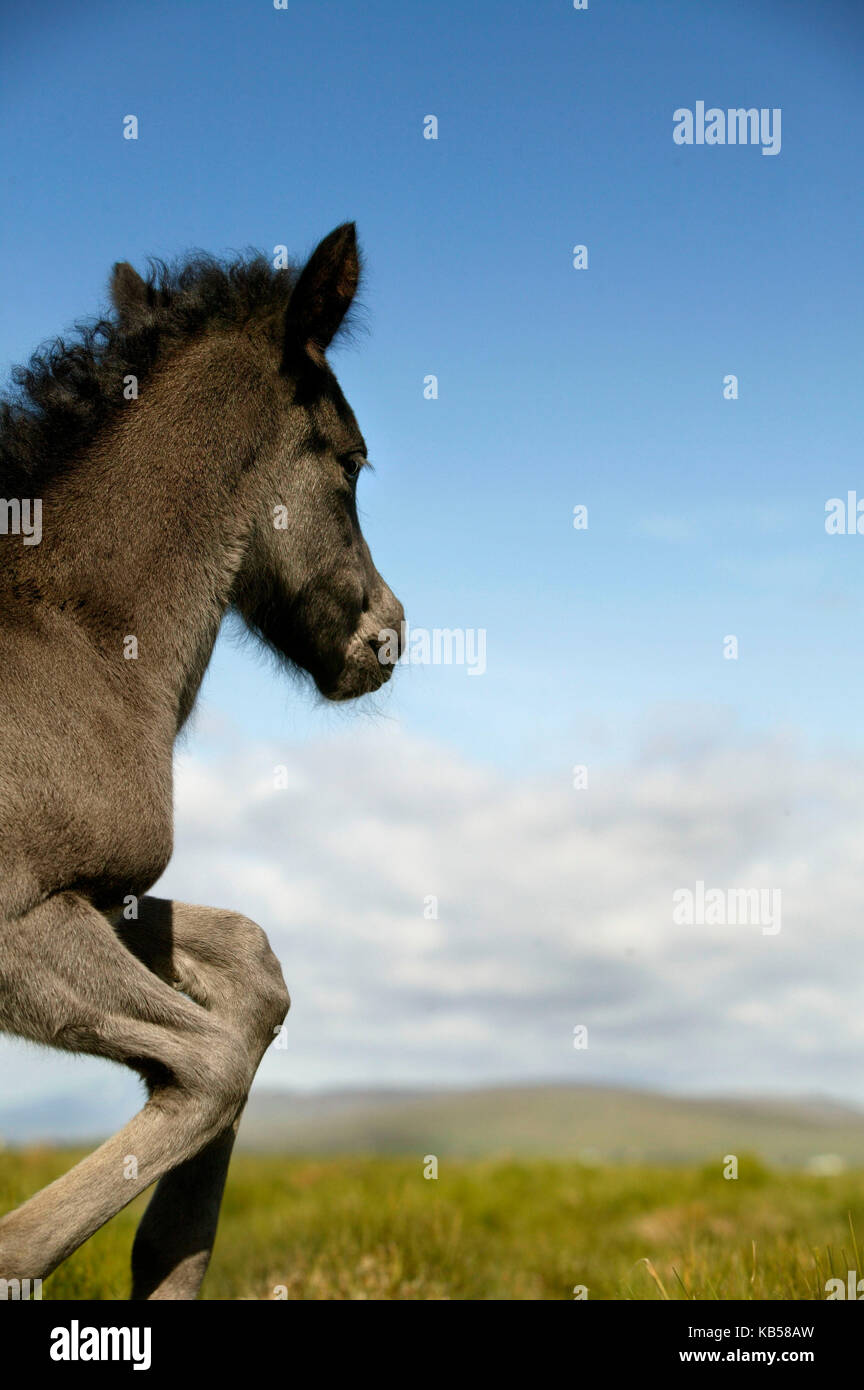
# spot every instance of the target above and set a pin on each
(224, 962)
(67, 981)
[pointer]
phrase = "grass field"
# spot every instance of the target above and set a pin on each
(372, 1228)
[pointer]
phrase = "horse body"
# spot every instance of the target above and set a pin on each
(228, 484)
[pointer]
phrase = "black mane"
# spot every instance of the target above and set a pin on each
(71, 387)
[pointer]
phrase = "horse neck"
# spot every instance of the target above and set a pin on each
(145, 536)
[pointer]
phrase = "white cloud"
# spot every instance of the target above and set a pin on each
(554, 909)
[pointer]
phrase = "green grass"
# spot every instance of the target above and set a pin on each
(372, 1228)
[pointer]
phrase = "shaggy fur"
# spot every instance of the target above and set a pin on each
(71, 387)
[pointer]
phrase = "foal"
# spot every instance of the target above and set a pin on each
(192, 453)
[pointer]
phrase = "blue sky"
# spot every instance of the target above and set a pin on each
(556, 387)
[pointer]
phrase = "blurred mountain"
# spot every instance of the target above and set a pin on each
(592, 1124)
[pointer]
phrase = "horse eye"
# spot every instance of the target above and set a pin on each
(352, 464)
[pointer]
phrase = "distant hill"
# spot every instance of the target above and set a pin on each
(593, 1124)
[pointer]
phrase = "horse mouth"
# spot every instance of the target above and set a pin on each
(362, 673)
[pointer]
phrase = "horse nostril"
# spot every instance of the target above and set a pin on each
(384, 655)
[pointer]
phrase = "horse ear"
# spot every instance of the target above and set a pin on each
(128, 292)
(323, 293)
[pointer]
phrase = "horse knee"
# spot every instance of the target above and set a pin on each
(265, 995)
